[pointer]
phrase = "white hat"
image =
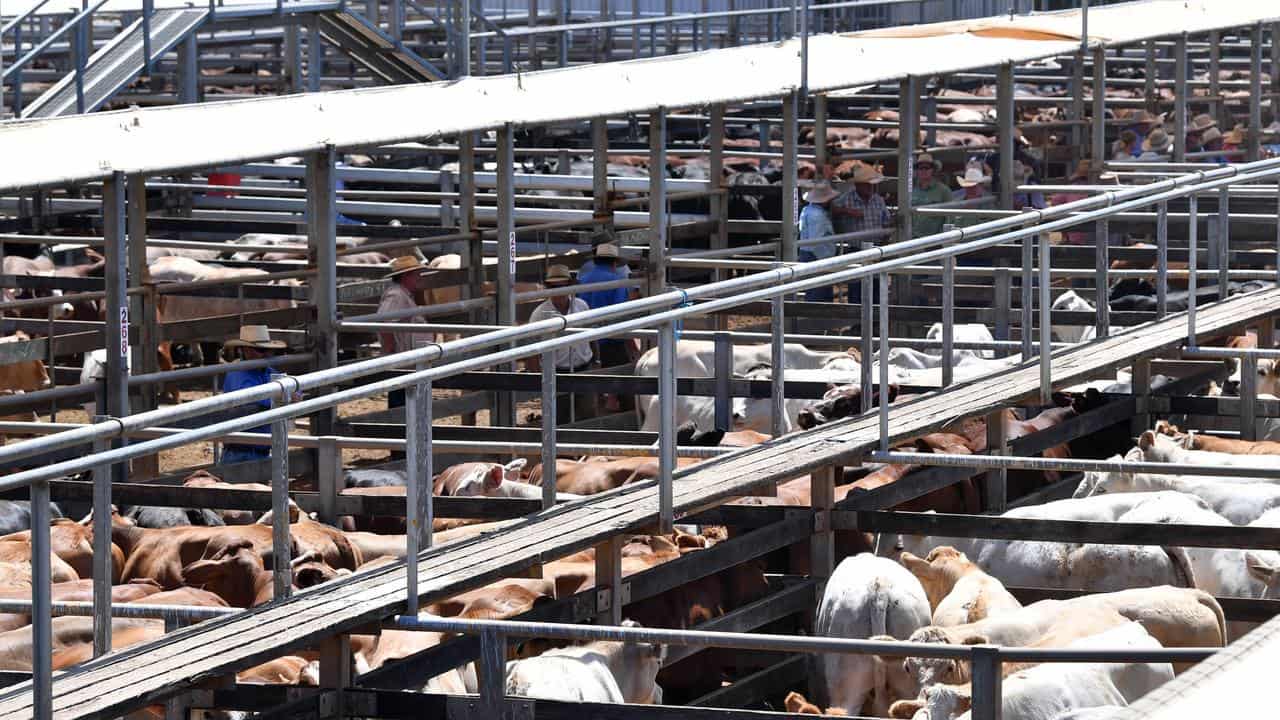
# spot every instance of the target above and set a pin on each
(973, 176)
(820, 193)
(255, 336)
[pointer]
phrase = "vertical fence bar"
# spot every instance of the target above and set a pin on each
(101, 551)
(549, 410)
(493, 673)
(282, 573)
(1102, 306)
(1149, 76)
(147, 9)
(822, 543)
(505, 271)
(1002, 288)
(865, 312)
(1180, 100)
(322, 244)
(724, 373)
(987, 681)
(1076, 109)
(948, 315)
(80, 44)
(418, 484)
(41, 603)
(1006, 118)
(1216, 106)
(884, 360)
(329, 478)
(1254, 141)
(1099, 152)
(778, 358)
(1193, 226)
(609, 600)
(657, 200)
(667, 426)
(1249, 396)
(1028, 275)
(1162, 259)
(1046, 329)
(790, 202)
(908, 123)
(1224, 244)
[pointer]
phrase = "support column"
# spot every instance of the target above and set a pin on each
(667, 426)
(335, 669)
(41, 605)
(822, 549)
(1151, 73)
(820, 133)
(322, 239)
(1254, 146)
(102, 560)
(188, 71)
(994, 497)
(1076, 109)
(1141, 385)
(609, 595)
(657, 201)
(315, 53)
(1249, 397)
(720, 201)
(1180, 100)
(600, 174)
(1006, 119)
(282, 571)
(142, 311)
(790, 202)
(117, 315)
(1099, 151)
(505, 271)
(418, 474)
(1217, 108)
(292, 65)
(908, 119)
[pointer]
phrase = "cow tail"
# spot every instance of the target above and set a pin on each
(1182, 564)
(1211, 602)
(880, 612)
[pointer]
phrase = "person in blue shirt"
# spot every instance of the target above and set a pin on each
(607, 266)
(815, 222)
(254, 343)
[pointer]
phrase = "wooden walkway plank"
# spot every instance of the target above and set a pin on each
(120, 681)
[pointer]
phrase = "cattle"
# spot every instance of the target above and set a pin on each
(1239, 502)
(93, 369)
(1211, 443)
(72, 542)
(15, 515)
(1142, 296)
(235, 573)
(589, 478)
(16, 550)
(1071, 302)
(24, 376)
(44, 267)
(966, 333)
(316, 538)
(287, 670)
(839, 402)
(756, 413)
(162, 554)
(157, 518)
(868, 597)
(74, 591)
(601, 671)
(959, 591)
(202, 479)
(1161, 448)
(1044, 692)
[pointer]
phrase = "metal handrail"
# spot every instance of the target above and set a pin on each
(23, 17)
(35, 52)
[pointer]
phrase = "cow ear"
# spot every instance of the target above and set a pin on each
(917, 566)
(905, 709)
(1260, 568)
(514, 468)
(975, 639)
(1147, 440)
(494, 477)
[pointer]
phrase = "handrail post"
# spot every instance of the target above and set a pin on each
(549, 411)
(41, 603)
(1162, 259)
(987, 680)
(418, 510)
(948, 316)
(493, 672)
(282, 572)
(1046, 328)
(1249, 396)
(666, 428)
(1102, 306)
(866, 315)
(1028, 273)
(1224, 244)
(101, 550)
(723, 360)
(1193, 225)
(884, 361)
(778, 359)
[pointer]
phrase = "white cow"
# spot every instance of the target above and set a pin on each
(968, 332)
(1069, 565)
(601, 671)
(1069, 300)
(499, 481)
(868, 597)
(1046, 691)
(1239, 502)
(1162, 448)
(1221, 572)
(93, 369)
(753, 413)
(696, 359)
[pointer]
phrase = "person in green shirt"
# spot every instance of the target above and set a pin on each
(927, 190)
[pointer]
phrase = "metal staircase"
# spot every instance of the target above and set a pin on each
(117, 63)
(375, 50)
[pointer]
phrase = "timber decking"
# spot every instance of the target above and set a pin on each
(120, 681)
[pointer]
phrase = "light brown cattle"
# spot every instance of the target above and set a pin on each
(1210, 443)
(24, 376)
(287, 670)
(73, 543)
(16, 549)
(958, 590)
(74, 591)
(161, 554)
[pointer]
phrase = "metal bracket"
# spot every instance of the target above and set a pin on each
(821, 521)
(624, 594)
(604, 599)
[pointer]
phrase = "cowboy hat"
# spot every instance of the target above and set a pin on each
(255, 336)
(1210, 135)
(866, 174)
(1236, 136)
(1144, 117)
(607, 250)
(557, 275)
(1158, 141)
(1202, 122)
(972, 176)
(924, 158)
(405, 264)
(821, 192)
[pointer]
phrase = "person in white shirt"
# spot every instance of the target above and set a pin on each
(574, 357)
(399, 295)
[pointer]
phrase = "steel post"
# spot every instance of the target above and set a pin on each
(777, 358)
(1076, 110)
(987, 680)
(790, 200)
(1006, 118)
(724, 374)
(884, 360)
(908, 119)
(865, 313)
(599, 173)
(418, 485)
(1102, 309)
(41, 603)
(667, 425)
(1224, 243)
(948, 320)
(549, 410)
(719, 201)
(282, 572)
(1254, 138)
(1099, 114)
(1180, 69)
(1046, 330)
(1141, 391)
(114, 218)
(336, 668)
(1162, 260)
(1193, 227)
(820, 159)
(1249, 397)
(504, 412)
(293, 56)
(142, 309)
(657, 201)
(101, 552)
(315, 53)
(1150, 75)
(609, 600)
(1216, 106)
(822, 551)
(492, 671)
(1028, 274)
(322, 246)
(329, 478)
(1002, 288)
(995, 482)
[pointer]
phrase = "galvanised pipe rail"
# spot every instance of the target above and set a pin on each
(74, 22)
(1012, 462)
(182, 613)
(819, 272)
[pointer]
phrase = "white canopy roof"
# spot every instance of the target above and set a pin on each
(87, 147)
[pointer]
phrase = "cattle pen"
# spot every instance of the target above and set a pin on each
(127, 182)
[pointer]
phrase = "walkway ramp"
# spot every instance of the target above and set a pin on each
(109, 686)
(378, 52)
(117, 63)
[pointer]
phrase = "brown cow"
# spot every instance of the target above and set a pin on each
(73, 543)
(161, 554)
(74, 591)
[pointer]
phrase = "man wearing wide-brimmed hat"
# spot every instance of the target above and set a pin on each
(1196, 129)
(860, 207)
(573, 357)
(253, 343)
(927, 190)
(1157, 146)
(815, 224)
(400, 295)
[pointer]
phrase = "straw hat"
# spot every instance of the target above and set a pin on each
(1144, 117)
(255, 336)
(1203, 122)
(557, 275)
(866, 174)
(607, 250)
(821, 192)
(1210, 135)
(1236, 136)
(923, 158)
(973, 175)
(1158, 141)
(405, 264)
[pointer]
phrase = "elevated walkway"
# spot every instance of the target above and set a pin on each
(116, 683)
(375, 50)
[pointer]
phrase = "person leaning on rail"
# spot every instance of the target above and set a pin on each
(401, 294)
(607, 266)
(815, 223)
(254, 343)
(570, 358)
